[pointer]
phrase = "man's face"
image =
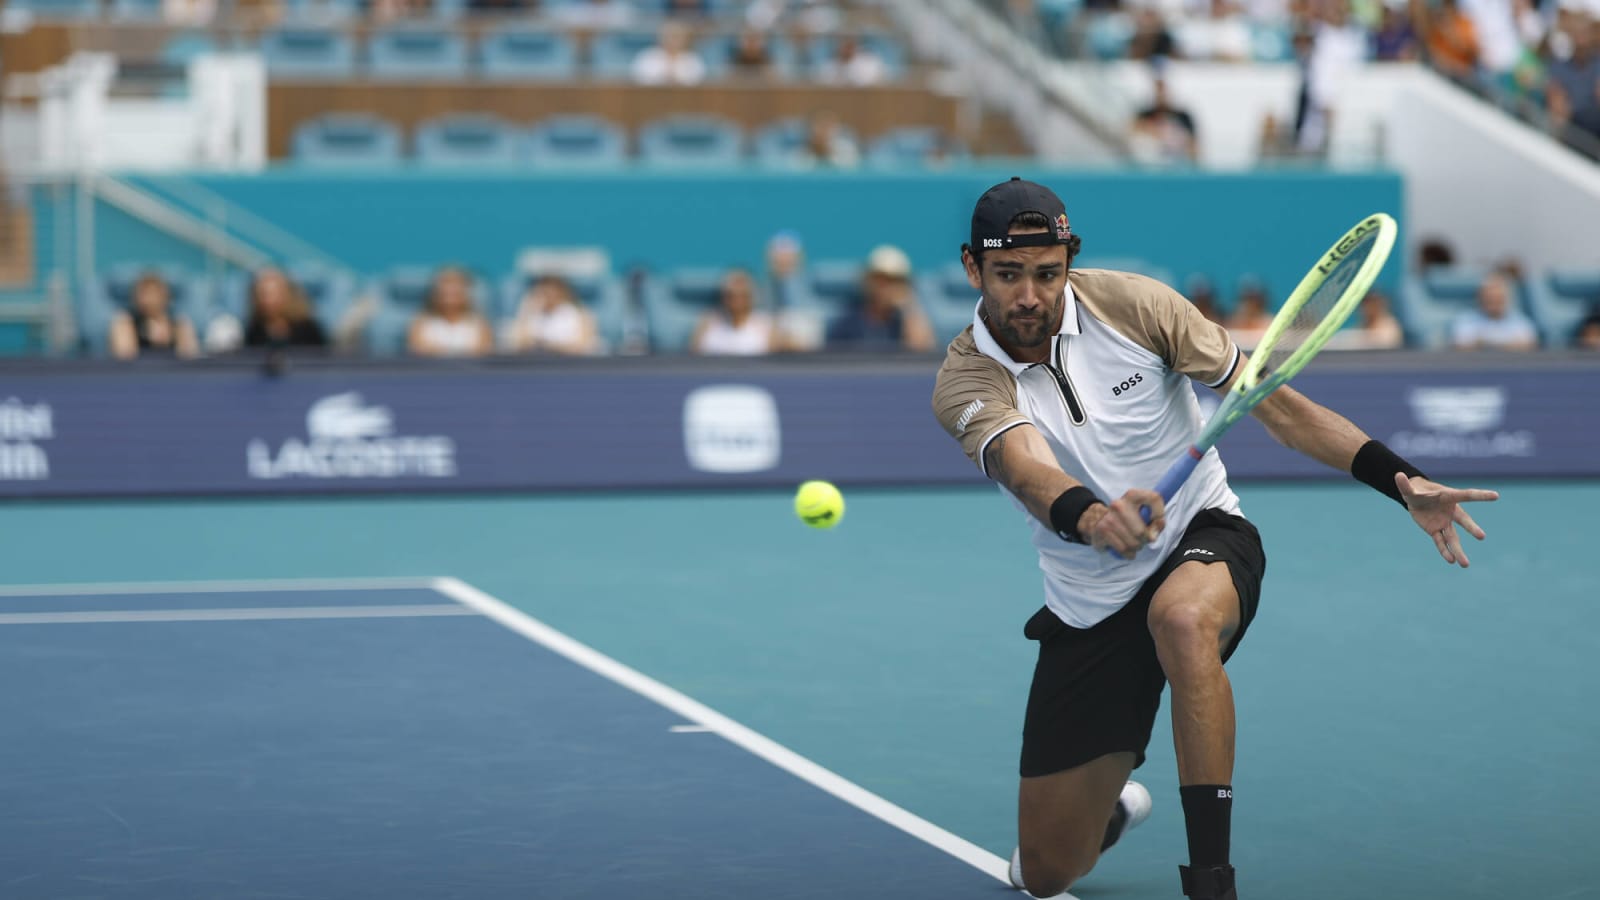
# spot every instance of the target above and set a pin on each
(1493, 298)
(1024, 292)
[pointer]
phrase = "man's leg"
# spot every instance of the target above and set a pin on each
(1193, 618)
(1062, 818)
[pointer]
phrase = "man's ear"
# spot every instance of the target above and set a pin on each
(970, 263)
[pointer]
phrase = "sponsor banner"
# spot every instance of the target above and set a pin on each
(236, 431)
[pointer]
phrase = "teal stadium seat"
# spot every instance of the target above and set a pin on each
(604, 295)
(691, 140)
(834, 286)
(611, 54)
(330, 292)
(323, 11)
(717, 51)
(518, 53)
(111, 292)
(947, 299)
(888, 49)
(674, 302)
(1561, 300)
(136, 10)
(346, 139)
(911, 146)
(466, 139)
(781, 143)
(1430, 302)
(59, 10)
(575, 141)
(308, 52)
(416, 53)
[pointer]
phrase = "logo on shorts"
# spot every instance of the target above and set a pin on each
(1200, 550)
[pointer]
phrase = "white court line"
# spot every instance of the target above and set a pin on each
(241, 586)
(699, 713)
(240, 614)
(689, 729)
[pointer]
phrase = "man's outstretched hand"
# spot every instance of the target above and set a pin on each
(1436, 508)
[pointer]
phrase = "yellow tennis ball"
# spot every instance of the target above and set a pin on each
(819, 504)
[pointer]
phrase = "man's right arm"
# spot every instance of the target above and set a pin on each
(1021, 460)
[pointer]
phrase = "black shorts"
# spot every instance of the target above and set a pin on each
(1097, 690)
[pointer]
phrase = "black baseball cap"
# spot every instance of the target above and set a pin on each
(991, 218)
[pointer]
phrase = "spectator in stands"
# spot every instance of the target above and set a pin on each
(1161, 132)
(1203, 294)
(752, 55)
(828, 145)
(188, 13)
(888, 316)
(1587, 335)
(1395, 40)
(689, 8)
(149, 327)
(279, 314)
(672, 61)
(1435, 253)
(386, 11)
(1495, 324)
(1151, 39)
(1375, 327)
(449, 325)
(800, 324)
(1223, 35)
(594, 15)
(852, 64)
(1574, 85)
(549, 319)
(735, 327)
(1250, 316)
(1450, 37)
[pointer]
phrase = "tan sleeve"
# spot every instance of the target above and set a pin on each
(1162, 321)
(975, 399)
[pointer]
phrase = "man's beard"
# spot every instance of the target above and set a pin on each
(1032, 332)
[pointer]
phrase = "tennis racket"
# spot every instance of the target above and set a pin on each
(1312, 315)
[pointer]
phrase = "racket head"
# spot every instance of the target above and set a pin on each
(1322, 302)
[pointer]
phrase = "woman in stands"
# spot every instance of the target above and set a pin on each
(149, 327)
(735, 327)
(280, 315)
(551, 320)
(450, 326)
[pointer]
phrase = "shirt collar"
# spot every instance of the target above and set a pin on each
(991, 348)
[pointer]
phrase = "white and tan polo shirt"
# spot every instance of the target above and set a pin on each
(1114, 403)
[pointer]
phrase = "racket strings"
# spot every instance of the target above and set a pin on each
(1317, 307)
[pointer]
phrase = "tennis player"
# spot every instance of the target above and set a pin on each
(1071, 390)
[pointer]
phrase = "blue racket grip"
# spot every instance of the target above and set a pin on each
(1176, 475)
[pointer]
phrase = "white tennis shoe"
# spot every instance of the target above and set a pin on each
(1136, 805)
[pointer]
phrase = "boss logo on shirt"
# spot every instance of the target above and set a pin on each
(1118, 390)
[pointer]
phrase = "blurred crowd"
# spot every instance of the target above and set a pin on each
(1539, 59)
(750, 313)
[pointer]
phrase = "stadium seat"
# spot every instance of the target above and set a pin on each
(518, 53)
(344, 139)
(466, 139)
(305, 52)
(182, 48)
(887, 48)
(661, 7)
(1560, 300)
(136, 10)
(674, 302)
(947, 299)
(416, 54)
(611, 55)
(575, 141)
(781, 142)
(717, 51)
(110, 292)
(835, 285)
(689, 140)
(912, 146)
(604, 295)
(1430, 302)
(59, 9)
(323, 11)
(1109, 35)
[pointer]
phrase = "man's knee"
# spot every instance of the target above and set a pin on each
(1047, 872)
(1193, 622)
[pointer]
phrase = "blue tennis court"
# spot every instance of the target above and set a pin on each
(401, 738)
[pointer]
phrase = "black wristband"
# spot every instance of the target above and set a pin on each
(1375, 465)
(1068, 509)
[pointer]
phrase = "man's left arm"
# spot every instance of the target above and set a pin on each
(1296, 422)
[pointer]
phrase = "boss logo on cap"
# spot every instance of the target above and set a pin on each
(993, 243)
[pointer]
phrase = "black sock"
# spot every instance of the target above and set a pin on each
(1208, 817)
(1119, 818)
